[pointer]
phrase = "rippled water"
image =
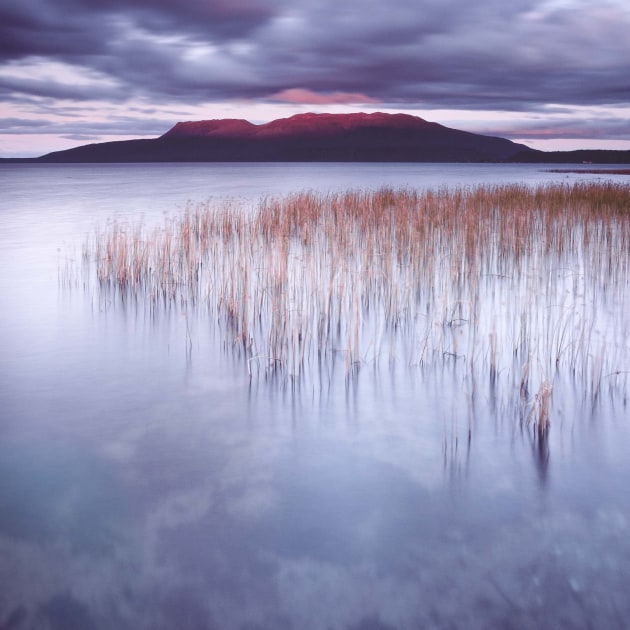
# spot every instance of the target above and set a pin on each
(147, 482)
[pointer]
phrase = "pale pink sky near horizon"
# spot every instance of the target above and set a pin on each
(551, 74)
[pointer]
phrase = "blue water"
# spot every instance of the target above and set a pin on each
(146, 482)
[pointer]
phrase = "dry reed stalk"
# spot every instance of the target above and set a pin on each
(507, 278)
(541, 408)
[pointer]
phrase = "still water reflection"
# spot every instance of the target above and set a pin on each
(146, 482)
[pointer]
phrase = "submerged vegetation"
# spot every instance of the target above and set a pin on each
(511, 289)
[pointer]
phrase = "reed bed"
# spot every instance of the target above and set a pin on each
(512, 287)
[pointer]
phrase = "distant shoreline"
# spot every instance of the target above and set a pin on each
(593, 171)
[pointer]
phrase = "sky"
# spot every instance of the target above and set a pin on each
(552, 74)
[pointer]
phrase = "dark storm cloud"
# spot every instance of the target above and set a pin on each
(490, 54)
(69, 28)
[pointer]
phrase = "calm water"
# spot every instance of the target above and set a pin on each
(145, 482)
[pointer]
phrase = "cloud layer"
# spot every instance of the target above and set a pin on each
(520, 56)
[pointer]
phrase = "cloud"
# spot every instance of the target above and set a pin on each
(572, 124)
(489, 55)
(80, 129)
(302, 96)
(70, 28)
(484, 54)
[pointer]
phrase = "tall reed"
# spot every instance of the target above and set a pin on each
(515, 285)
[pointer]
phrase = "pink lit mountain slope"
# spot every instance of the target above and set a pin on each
(298, 125)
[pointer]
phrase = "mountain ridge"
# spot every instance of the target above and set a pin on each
(298, 124)
(308, 137)
(320, 137)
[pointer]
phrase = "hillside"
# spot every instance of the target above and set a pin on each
(374, 137)
(303, 138)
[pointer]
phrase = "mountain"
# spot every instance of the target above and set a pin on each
(375, 137)
(303, 138)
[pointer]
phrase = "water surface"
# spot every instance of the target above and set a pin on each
(147, 482)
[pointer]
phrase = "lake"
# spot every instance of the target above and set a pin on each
(149, 480)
